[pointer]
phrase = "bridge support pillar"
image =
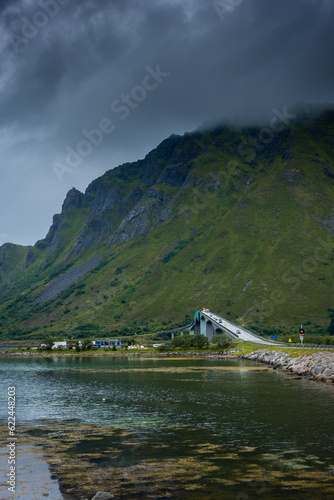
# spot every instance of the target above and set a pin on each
(172, 335)
(209, 330)
(203, 326)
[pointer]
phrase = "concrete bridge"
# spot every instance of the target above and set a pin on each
(209, 324)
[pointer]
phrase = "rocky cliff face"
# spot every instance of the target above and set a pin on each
(128, 201)
(74, 201)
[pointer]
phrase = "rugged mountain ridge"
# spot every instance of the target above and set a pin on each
(237, 218)
(126, 202)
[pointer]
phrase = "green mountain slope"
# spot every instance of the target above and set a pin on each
(237, 220)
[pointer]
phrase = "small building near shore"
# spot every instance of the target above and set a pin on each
(138, 346)
(60, 345)
(107, 344)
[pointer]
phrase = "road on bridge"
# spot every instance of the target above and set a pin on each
(237, 331)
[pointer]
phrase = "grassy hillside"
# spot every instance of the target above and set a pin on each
(248, 234)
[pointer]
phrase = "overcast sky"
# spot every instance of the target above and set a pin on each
(136, 71)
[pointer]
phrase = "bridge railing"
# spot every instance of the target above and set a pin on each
(179, 329)
(308, 346)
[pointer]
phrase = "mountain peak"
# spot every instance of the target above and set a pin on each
(73, 198)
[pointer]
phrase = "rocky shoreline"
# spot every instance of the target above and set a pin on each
(318, 366)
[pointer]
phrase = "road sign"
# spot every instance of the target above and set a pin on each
(301, 334)
(274, 337)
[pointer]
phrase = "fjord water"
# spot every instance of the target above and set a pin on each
(260, 433)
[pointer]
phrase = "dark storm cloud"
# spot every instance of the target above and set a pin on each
(64, 62)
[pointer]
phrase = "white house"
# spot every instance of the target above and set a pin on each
(60, 345)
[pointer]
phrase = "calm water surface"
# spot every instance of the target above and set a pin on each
(266, 434)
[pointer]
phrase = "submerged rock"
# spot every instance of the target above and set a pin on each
(103, 495)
